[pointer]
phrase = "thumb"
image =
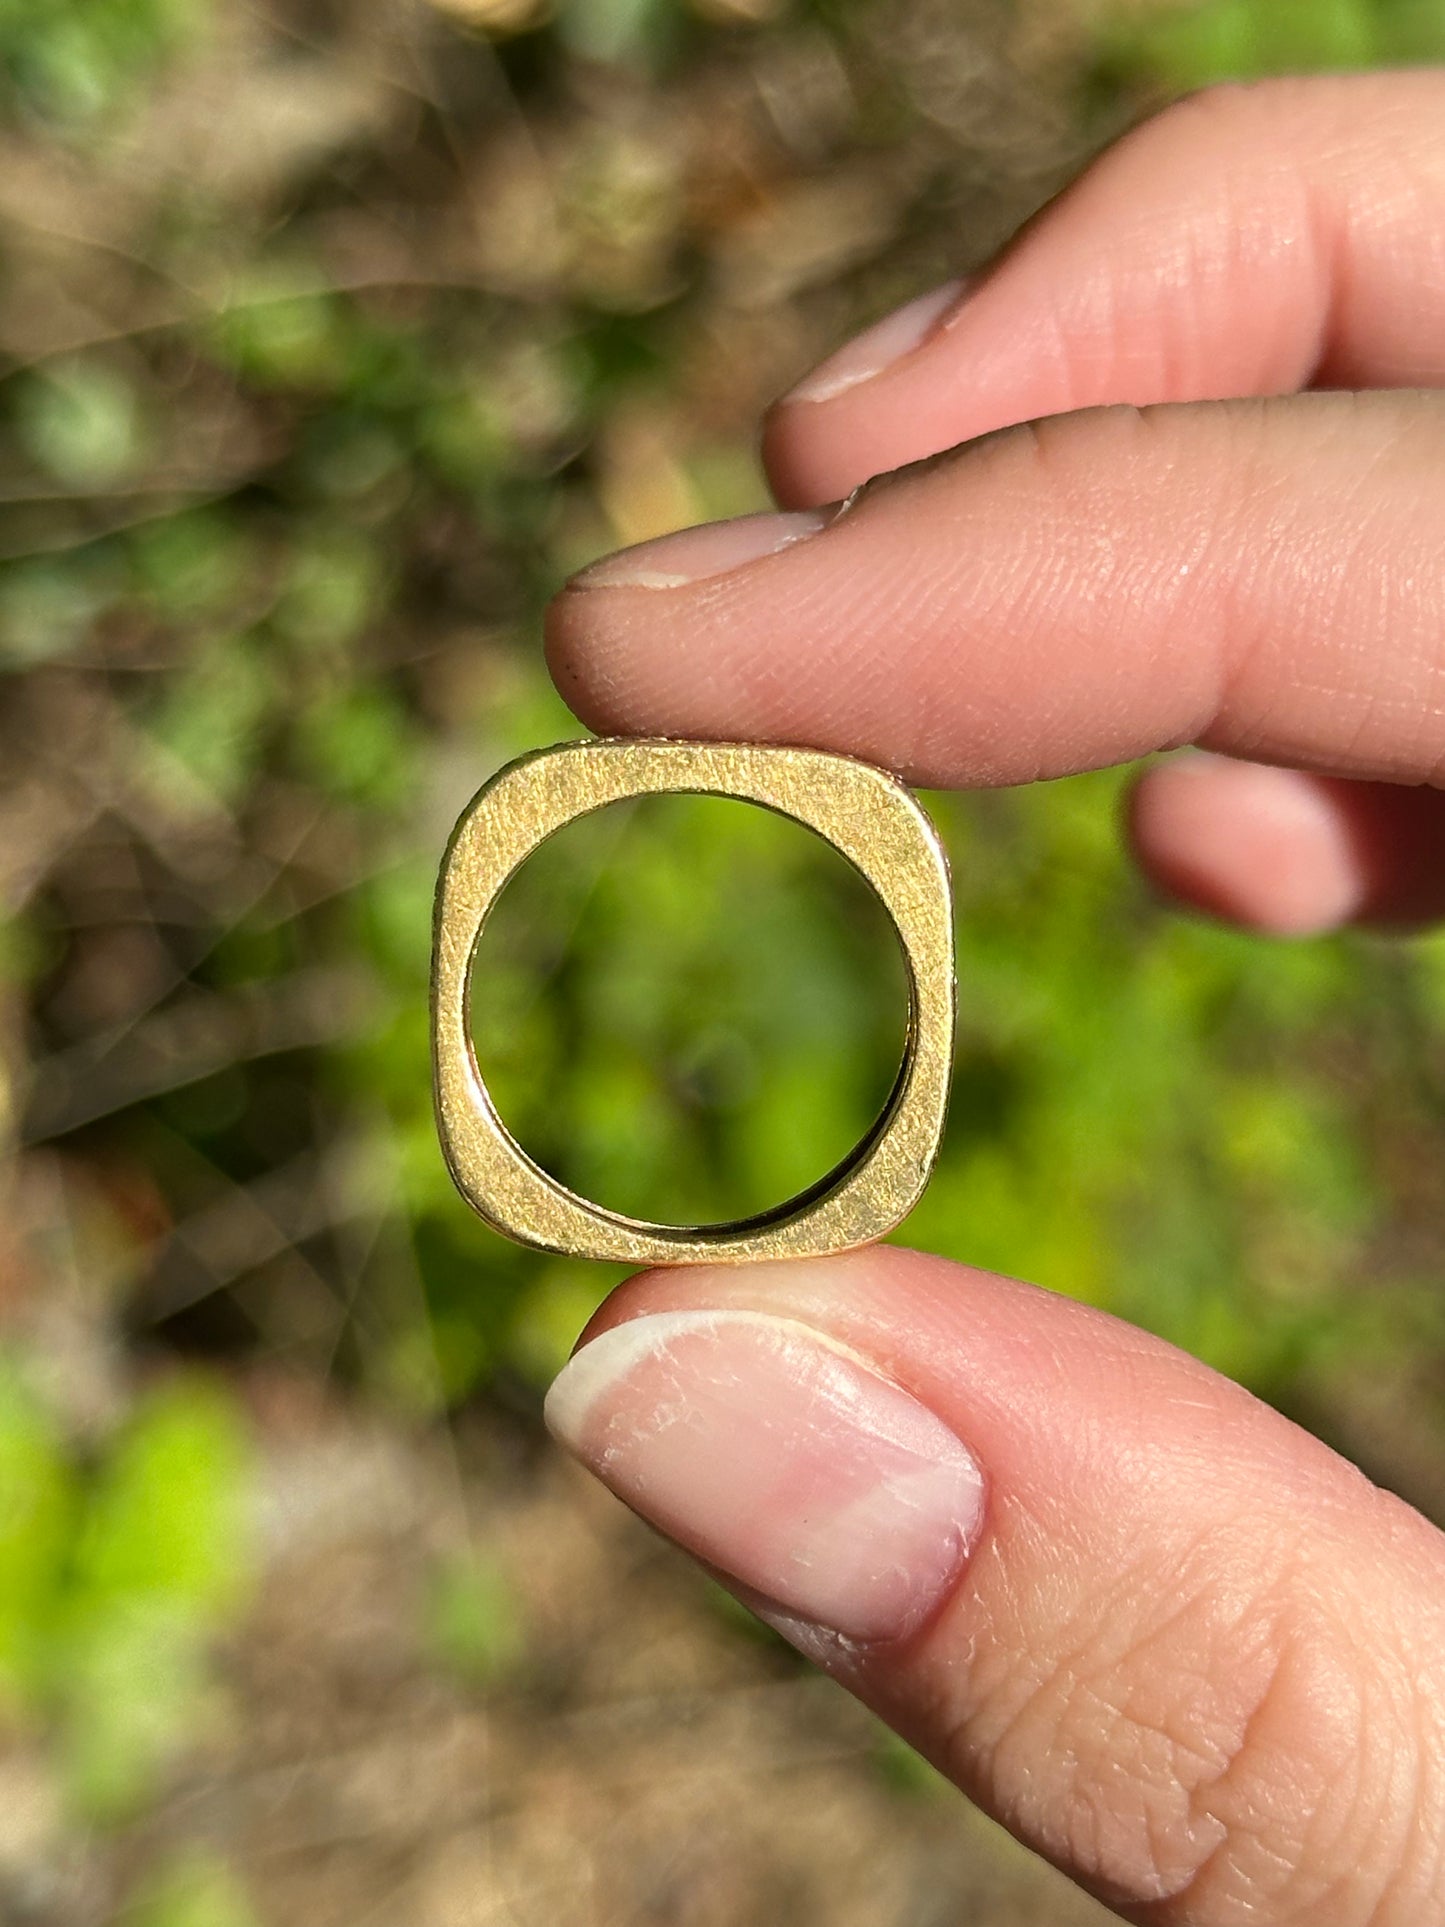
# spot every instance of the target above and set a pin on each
(1169, 1639)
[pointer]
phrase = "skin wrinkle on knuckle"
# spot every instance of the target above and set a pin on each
(1309, 621)
(1109, 1805)
(1322, 1804)
(1430, 1841)
(1262, 1817)
(1183, 310)
(1121, 1711)
(1052, 501)
(1187, 1746)
(1097, 467)
(1305, 579)
(1266, 557)
(1404, 1700)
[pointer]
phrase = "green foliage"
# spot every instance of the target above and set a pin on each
(75, 60)
(115, 1571)
(621, 30)
(473, 1624)
(285, 340)
(80, 421)
(38, 1506)
(191, 1890)
(163, 1520)
(904, 1771)
(1196, 45)
(211, 718)
(46, 608)
(190, 567)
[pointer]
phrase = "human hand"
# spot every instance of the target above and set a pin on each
(1168, 1638)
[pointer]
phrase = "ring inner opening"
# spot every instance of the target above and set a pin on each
(688, 1008)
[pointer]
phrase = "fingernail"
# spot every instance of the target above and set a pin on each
(692, 555)
(780, 1458)
(878, 347)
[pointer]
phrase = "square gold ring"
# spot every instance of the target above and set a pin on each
(869, 818)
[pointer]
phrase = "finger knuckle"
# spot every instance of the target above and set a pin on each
(1222, 1741)
(1313, 1805)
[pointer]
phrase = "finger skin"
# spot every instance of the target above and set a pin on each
(1265, 578)
(1195, 1659)
(1286, 852)
(1248, 241)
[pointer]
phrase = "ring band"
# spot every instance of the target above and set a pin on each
(869, 818)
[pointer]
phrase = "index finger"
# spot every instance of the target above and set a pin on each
(1263, 578)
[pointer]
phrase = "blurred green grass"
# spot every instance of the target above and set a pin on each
(329, 349)
(113, 1578)
(1221, 40)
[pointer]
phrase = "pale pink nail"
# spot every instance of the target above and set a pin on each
(782, 1459)
(878, 347)
(692, 555)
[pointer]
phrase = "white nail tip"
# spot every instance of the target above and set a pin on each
(878, 348)
(605, 1361)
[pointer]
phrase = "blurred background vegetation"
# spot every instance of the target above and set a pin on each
(333, 337)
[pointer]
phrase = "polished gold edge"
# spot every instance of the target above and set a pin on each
(870, 818)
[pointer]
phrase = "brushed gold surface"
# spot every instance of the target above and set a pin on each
(871, 819)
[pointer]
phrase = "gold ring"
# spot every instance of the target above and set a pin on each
(871, 819)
